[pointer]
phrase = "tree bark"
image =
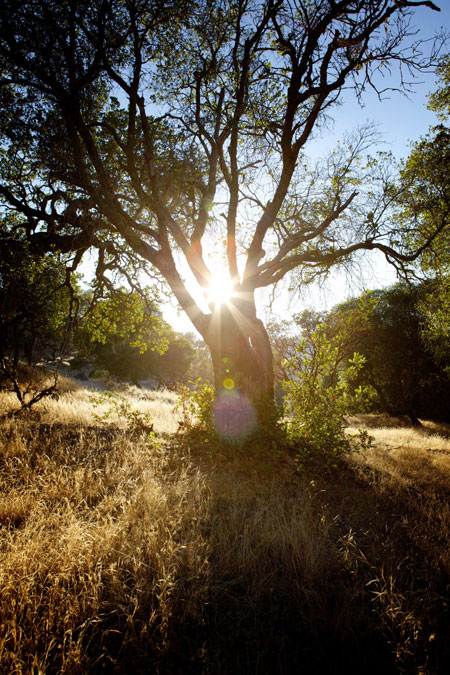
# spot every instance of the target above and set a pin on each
(243, 368)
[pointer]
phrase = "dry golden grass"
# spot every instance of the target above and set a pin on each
(82, 407)
(412, 456)
(78, 405)
(129, 552)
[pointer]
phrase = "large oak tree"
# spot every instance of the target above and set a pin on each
(141, 128)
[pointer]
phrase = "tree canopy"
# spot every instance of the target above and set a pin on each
(401, 370)
(141, 129)
(422, 196)
(35, 303)
(386, 328)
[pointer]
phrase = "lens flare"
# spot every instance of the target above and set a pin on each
(234, 416)
(228, 383)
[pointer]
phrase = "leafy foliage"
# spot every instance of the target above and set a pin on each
(196, 403)
(434, 307)
(440, 99)
(125, 334)
(319, 394)
(122, 315)
(423, 196)
(399, 365)
(34, 302)
(37, 308)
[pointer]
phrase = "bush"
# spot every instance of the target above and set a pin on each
(196, 403)
(319, 394)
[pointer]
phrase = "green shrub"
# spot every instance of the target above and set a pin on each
(120, 408)
(196, 403)
(319, 394)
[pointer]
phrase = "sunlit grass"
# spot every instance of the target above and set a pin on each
(81, 406)
(129, 552)
(411, 455)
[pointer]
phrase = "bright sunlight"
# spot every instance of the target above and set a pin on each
(220, 290)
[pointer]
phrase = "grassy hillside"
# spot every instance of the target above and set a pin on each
(125, 550)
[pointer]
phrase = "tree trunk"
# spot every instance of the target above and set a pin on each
(408, 407)
(387, 408)
(243, 369)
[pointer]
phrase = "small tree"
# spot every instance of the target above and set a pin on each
(319, 394)
(124, 331)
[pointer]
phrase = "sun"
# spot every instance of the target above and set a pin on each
(220, 290)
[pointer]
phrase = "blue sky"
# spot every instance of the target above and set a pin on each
(401, 120)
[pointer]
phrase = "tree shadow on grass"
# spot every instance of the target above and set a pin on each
(291, 581)
(395, 527)
(259, 570)
(373, 600)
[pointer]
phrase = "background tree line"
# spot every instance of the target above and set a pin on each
(405, 364)
(401, 332)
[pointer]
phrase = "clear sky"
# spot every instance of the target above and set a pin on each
(401, 121)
